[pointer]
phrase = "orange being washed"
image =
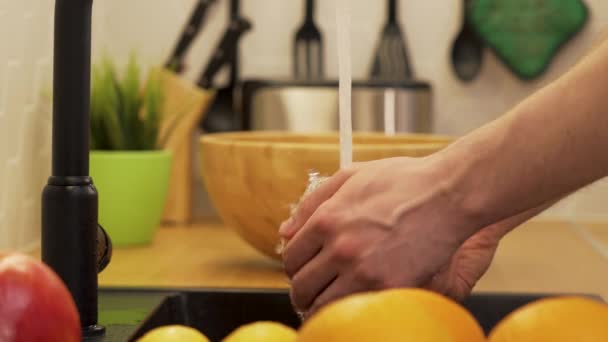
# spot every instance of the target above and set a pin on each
(390, 316)
(559, 319)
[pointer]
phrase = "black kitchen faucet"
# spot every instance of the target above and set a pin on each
(73, 243)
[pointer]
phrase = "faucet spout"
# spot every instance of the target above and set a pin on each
(71, 87)
(73, 244)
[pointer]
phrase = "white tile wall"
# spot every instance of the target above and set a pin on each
(25, 73)
(430, 27)
(150, 27)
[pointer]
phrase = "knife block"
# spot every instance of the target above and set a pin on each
(184, 106)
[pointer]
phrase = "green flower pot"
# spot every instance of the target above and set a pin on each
(132, 187)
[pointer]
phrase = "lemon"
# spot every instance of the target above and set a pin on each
(170, 333)
(262, 331)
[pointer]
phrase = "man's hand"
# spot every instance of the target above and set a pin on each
(473, 258)
(469, 263)
(368, 228)
(381, 224)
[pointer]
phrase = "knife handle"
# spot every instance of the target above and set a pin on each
(224, 51)
(188, 34)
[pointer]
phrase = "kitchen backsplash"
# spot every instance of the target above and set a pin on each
(150, 28)
(25, 76)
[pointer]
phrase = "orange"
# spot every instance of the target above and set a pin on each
(376, 316)
(459, 321)
(557, 319)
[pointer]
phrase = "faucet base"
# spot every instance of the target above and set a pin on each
(69, 240)
(93, 331)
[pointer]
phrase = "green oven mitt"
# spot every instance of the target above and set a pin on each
(527, 34)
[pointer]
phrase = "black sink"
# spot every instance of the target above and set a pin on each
(130, 313)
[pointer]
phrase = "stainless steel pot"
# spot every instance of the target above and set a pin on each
(313, 107)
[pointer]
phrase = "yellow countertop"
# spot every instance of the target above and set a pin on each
(548, 257)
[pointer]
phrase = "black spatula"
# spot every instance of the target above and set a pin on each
(392, 60)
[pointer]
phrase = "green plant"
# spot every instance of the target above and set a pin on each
(124, 114)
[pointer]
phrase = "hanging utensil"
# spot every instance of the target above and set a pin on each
(189, 32)
(221, 116)
(392, 60)
(467, 50)
(308, 48)
(223, 52)
(527, 41)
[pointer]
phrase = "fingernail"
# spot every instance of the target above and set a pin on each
(286, 228)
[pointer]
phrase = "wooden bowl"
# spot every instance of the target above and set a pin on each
(252, 178)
